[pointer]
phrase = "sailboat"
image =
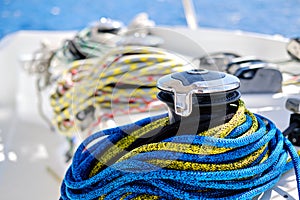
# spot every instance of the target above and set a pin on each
(32, 162)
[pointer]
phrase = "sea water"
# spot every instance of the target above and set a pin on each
(261, 16)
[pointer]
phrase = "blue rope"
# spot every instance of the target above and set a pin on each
(136, 175)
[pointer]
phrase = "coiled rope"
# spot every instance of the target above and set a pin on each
(98, 39)
(125, 77)
(82, 46)
(236, 160)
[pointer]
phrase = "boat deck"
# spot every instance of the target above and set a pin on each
(32, 157)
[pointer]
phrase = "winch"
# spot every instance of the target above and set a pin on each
(200, 94)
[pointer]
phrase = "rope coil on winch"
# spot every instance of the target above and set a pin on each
(126, 76)
(236, 160)
(100, 37)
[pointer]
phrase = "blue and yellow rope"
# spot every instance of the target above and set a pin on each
(237, 160)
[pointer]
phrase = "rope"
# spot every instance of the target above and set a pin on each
(101, 37)
(82, 46)
(124, 78)
(236, 160)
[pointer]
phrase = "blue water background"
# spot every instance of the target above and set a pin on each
(262, 16)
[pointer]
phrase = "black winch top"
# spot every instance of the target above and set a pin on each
(183, 90)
